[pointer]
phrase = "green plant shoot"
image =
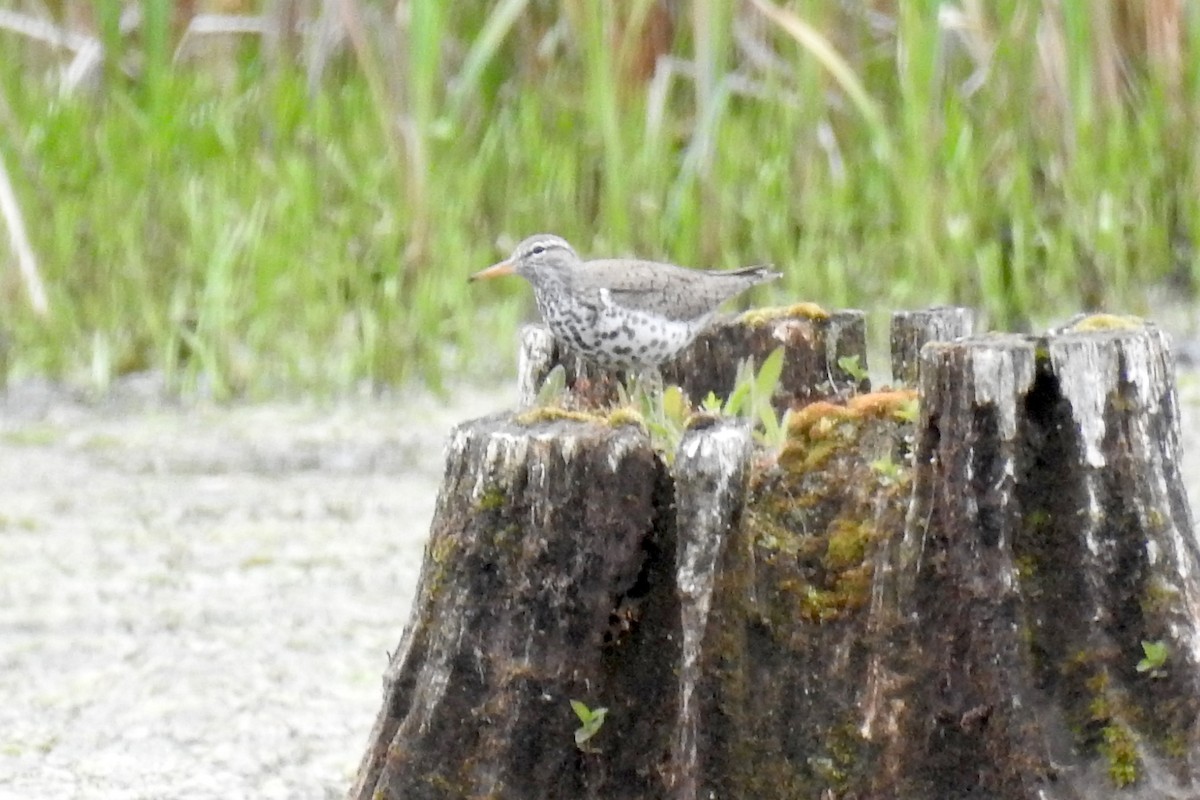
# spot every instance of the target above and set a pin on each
(591, 720)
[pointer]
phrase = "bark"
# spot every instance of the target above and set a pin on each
(912, 330)
(947, 602)
(547, 578)
(1048, 538)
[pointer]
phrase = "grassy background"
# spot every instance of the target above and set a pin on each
(255, 216)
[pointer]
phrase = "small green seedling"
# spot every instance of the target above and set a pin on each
(852, 366)
(591, 719)
(665, 416)
(1155, 657)
(889, 471)
(751, 397)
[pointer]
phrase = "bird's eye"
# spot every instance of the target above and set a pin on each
(538, 249)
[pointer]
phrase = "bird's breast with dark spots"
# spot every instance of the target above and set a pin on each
(615, 337)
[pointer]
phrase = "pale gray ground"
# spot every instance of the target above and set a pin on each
(196, 603)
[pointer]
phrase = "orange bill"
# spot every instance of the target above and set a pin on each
(494, 271)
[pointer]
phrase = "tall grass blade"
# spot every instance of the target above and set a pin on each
(483, 49)
(819, 46)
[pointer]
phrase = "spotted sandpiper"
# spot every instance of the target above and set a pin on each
(621, 312)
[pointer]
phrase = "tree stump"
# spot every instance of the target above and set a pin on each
(912, 330)
(547, 578)
(814, 342)
(994, 593)
(1048, 539)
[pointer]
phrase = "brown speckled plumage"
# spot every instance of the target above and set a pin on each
(621, 312)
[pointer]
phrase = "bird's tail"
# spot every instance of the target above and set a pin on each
(759, 274)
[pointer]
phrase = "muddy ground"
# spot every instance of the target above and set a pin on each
(196, 601)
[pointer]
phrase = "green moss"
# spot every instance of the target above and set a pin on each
(767, 534)
(811, 530)
(1038, 518)
(835, 591)
(442, 549)
(765, 316)
(819, 420)
(535, 416)
(1026, 566)
(797, 457)
(620, 417)
(1176, 745)
(1156, 519)
(815, 433)
(493, 498)
(1119, 748)
(701, 419)
(847, 545)
(898, 404)
(847, 751)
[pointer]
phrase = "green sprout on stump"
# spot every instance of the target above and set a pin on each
(667, 415)
(890, 473)
(591, 720)
(751, 398)
(1155, 657)
(852, 366)
(666, 418)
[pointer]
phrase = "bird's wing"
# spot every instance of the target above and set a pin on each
(673, 292)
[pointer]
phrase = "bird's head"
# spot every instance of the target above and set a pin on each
(539, 258)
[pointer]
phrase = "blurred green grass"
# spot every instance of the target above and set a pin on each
(247, 231)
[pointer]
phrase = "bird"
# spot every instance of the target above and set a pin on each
(621, 313)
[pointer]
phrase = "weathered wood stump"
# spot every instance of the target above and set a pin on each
(912, 330)
(548, 577)
(994, 593)
(1048, 539)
